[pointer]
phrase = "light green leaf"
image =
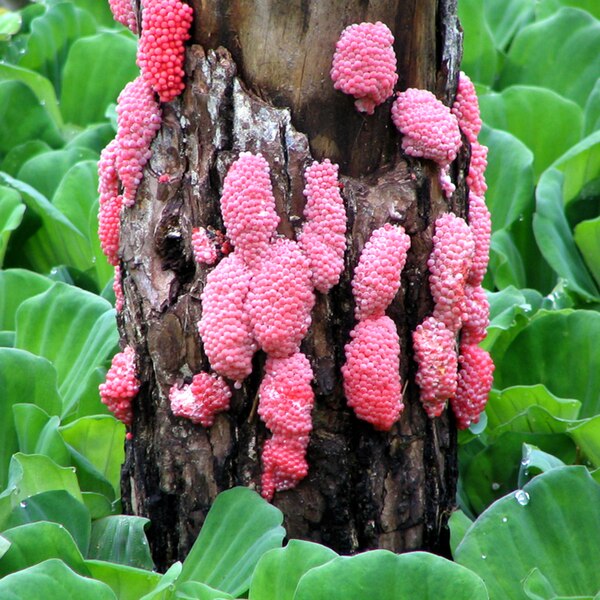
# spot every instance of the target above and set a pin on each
(506, 17)
(557, 517)
(239, 528)
(546, 8)
(18, 155)
(75, 330)
(587, 238)
(58, 582)
(544, 121)
(587, 437)
(56, 507)
(97, 69)
(167, 584)
(10, 23)
(382, 575)
(458, 523)
(194, 590)
(278, 571)
(94, 137)
(98, 505)
(559, 53)
(121, 539)
(16, 285)
(126, 582)
(11, 214)
(506, 264)
(591, 114)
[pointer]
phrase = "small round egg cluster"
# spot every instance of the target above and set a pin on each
(121, 385)
(123, 13)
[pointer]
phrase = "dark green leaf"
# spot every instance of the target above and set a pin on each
(587, 238)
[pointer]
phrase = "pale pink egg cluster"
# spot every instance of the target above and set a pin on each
(364, 64)
(377, 275)
(121, 385)
(475, 379)
(225, 326)
(372, 372)
(477, 315)
(248, 206)
(466, 107)
(123, 13)
(118, 290)
(480, 223)
(281, 298)
(138, 120)
(323, 236)
(203, 247)
(161, 50)
(201, 400)
(429, 130)
(286, 402)
(449, 265)
(435, 353)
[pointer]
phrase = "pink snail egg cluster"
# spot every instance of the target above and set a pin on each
(475, 380)
(477, 315)
(323, 236)
(284, 464)
(161, 50)
(110, 203)
(364, 64)
(121, 385)
(480, 223)
(466, 108)
(203, 247)
(377, 276)
(477, 167)
(225, 327)
(449, 265)
(201, 400)
(118, 289)
(371, 372)
(280, 299)
(123, 13)
(138, 120)
(248, 206)
(435, 353)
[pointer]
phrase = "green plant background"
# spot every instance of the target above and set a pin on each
(528, 522)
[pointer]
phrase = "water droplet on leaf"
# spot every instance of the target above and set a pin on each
(522, 497)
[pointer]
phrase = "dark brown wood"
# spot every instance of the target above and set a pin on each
(258, 80)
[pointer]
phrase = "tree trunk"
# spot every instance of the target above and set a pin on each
(258, 80)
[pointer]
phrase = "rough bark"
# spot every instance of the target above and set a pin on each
(258, 80)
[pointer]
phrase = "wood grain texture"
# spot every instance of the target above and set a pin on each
(258, 80)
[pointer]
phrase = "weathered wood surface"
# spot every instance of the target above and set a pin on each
(258, 80)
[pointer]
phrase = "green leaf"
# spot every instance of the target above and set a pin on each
(194, 590)
(121, 539)
(38, 387)
(546, 8)
(58, 582)
(101, 440)
(166, 586)
(382, 575)
(557, 517)
(52, 35)
(554, 237)
(17, 156)
(458, 523)
(98, 505)
(536, 461)
(509, 177)
(239, 528)
(529, 409)
(126, 582)
(506, 17)
(75, 330)
(587, 437)
(10, 23)
(506, 264)
(100, 10)
(37, 433)
(24, 118)
(39, 85)
(50, 239)
(559, 53)
(56, 506)
(278, 571)
(16, 285)
(587, 238)
(11, 214)
(97, 69)
(591, 114)
(33, 543)
(544, 121)
(552, 348)
(480, 59)
(94, 137)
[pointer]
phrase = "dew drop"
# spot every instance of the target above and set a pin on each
(484, 556)
(504, 519)
(23, 504)
(525, 462)
(495, 486)
(522, 497)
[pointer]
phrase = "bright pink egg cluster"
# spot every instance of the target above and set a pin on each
(449, 265)
(466, 107)
(429, 130)
(161, 50)
(203, 247)
(201, 400)
(118, 289)
(435, 353)
(121, 385)
(477, 315)
(281, 298)
(480, 223)
(138, 120)
(475, 380)
(284, 464)
(225, 326)
(364, 64)
(372, 372)
(323, 236)
(110, 203)
(123, 13)
(377, 275)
